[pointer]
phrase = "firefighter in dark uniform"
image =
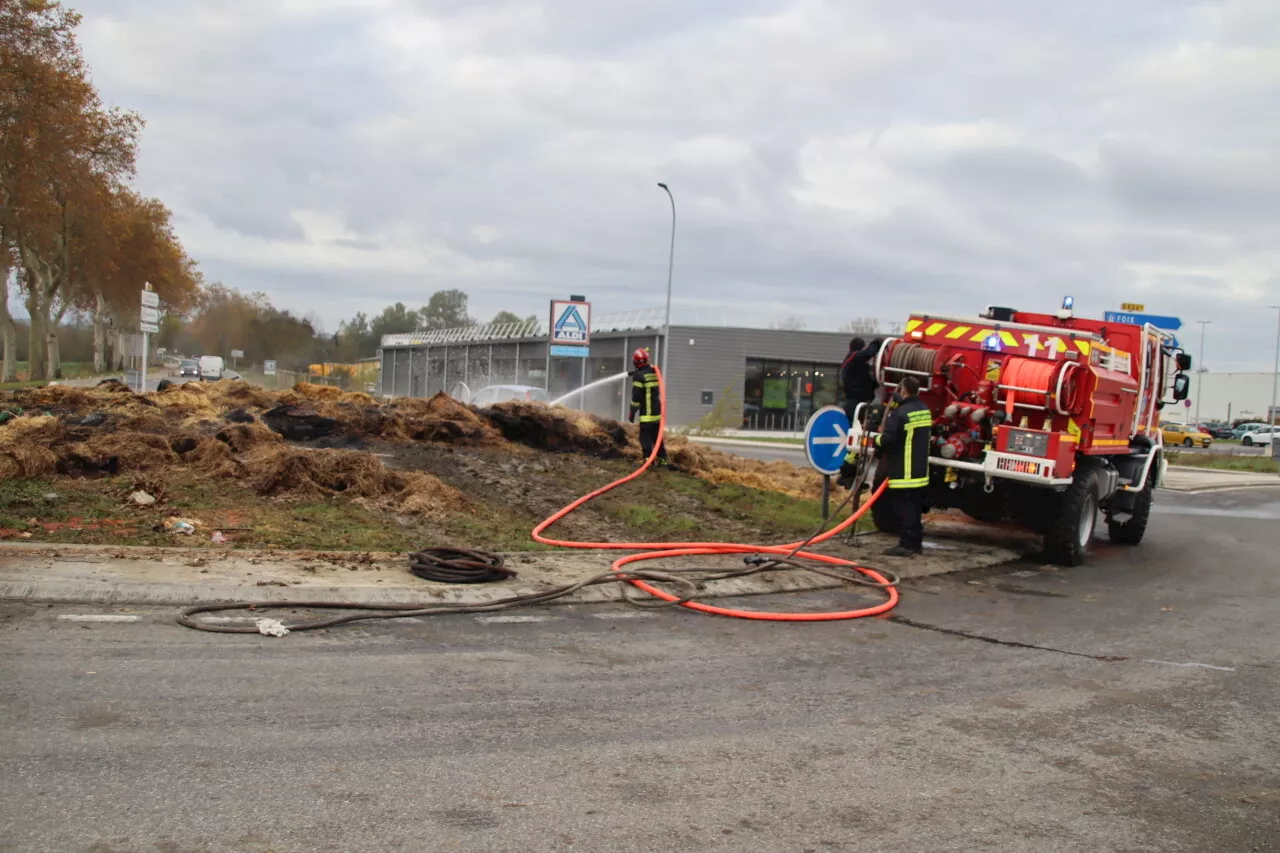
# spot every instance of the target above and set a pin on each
(646, 401)
(855, 375)
(904, 448)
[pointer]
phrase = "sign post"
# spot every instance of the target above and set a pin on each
(570, 334)
(149, 325)
(1169, 324)
(826, 440)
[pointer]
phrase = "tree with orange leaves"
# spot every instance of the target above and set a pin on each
(139, 247)
(66, 216)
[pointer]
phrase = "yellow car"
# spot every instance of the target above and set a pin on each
(1187, 436)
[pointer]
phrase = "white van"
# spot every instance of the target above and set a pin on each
(211, 367)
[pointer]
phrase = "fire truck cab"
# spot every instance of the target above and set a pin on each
(1043, 420)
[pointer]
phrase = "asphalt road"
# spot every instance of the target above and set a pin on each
(1128, 705)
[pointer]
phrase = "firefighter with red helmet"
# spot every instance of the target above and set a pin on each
(646, 402)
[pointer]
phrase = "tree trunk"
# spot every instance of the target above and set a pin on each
(118, 352)
(9, 333)
(35, 342)
(54, 368)
(99, 333)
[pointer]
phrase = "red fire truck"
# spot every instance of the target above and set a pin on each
(1041, 419)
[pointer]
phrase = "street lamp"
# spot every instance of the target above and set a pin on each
(1271, 413)
(671, 262)
(1200, 373)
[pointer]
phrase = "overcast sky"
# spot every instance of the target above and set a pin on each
(842, 159)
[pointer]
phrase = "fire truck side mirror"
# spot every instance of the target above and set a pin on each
(1184, 361)
(1181, 386)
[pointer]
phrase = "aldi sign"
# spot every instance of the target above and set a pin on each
(570, 323)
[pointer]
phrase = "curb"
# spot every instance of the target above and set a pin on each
(112, 591)
(1216, 471)
(737, 442)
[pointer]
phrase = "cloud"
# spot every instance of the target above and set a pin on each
(829, 159)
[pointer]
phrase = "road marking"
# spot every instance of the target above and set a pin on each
(623, 614)
(487, 619)
(98, 617)
(1191, 665)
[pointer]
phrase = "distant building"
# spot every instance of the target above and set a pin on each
(765, 379)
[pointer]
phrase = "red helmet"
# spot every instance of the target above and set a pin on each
(640, 358)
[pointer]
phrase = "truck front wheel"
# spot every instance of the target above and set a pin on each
(1069, 532)
(1131, 530)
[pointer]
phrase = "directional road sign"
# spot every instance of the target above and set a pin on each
(149, 328)
(826, 439)
(1160, 321)
(150, 299)
(150, 315)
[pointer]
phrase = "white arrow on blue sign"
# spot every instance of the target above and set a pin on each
(1160, 321)
(826, 439)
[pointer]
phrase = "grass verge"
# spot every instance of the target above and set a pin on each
(1224, 462)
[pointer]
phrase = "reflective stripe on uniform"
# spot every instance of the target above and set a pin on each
(921, 419)
(918, 482)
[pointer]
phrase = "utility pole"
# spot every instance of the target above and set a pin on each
(1200, 372)
(1271, 413)
(671, 262)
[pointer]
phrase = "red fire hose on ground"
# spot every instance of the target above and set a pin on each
(454, 565)
(668, 550)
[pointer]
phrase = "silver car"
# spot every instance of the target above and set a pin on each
(505, 393)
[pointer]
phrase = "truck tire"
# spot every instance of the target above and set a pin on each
(1131, 532)
(1070, 530)
(886, 520)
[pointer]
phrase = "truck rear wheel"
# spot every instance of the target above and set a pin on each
(1070, 530)
(1131, 531)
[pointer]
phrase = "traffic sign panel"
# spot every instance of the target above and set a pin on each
(150, 315)
(826, 439)
(570, 323)
(149, 328)
(1160, 321)
(150, 299)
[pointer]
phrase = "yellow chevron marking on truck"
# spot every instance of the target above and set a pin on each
(912, 325)
(935, 328)
(1009, 339)
(958, 332)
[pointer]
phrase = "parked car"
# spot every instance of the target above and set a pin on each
(505, 393)
(1239, 431)
(1262, 435)
(189, 367)
(1217, 430)
(1185, 435)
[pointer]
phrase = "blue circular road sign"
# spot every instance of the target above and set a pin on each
(826, 439)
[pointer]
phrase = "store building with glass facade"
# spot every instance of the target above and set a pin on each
(757, 379)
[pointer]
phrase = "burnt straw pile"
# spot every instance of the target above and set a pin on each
(310, 440)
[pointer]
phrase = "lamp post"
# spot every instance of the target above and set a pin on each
(1200, 372)
(1271, 413)
(671, 262)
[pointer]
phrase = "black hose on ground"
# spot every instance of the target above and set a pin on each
(459, 565)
